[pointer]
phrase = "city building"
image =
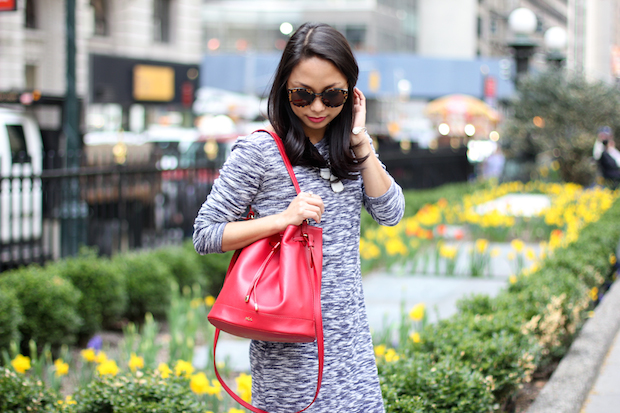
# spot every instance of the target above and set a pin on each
(136, 62)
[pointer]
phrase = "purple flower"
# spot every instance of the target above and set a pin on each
(95, 343)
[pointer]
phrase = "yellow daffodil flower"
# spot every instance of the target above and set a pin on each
(244, 387)
(391, 355)
(135, 362)
(380, 350)
(183, 367)
(415, 337)
(417, 312)
(164, 370)
(88, 354)
(61, 368)
(108, 367)
(21, 363)
(101, 357)
(199, 383)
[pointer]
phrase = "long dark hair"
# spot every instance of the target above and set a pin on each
(325, 42)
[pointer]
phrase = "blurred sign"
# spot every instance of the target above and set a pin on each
(490, 87)
(187, 94)
(153, 83)
(8, 5)
(615, 61)
(374, 81)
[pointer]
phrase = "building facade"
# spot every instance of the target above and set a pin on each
(369, 25)
(125, 52)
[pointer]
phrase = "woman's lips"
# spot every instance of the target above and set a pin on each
(316, 120)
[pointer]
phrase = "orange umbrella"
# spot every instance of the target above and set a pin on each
(463, 105)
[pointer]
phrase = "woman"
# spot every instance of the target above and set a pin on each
(320, 116)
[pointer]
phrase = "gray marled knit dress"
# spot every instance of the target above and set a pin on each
(284, 374)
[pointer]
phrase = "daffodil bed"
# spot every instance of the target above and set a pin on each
(462, 238)
(475, 361)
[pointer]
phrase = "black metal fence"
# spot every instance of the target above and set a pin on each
(424, 168)
(143, 202)
(140, 203)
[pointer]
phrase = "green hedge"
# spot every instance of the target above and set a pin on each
(148, 282)
(20, 394)
(184, 264)
(129, 394)
(73, 298)
(48, 302)
(10, 317)
(104, 293)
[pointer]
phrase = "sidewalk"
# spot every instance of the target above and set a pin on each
(587, 379)
(605, 395)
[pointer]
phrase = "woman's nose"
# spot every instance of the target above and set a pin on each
(317, 104)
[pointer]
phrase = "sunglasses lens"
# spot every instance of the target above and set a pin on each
(301, 97)
(333, 98)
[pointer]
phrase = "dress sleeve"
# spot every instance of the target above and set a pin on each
(389, 208)
(231, 194)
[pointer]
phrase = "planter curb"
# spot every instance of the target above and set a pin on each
(572, 381)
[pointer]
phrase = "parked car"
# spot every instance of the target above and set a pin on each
(21, 152)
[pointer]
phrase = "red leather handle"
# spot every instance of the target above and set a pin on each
(318, 328)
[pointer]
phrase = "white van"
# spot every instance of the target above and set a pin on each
(21, 152)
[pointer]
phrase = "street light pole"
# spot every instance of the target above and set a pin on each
(70, 231)
(523, 23)
(555, 41)
(71, 109)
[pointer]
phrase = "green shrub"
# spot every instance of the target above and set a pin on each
(20, 394)
(491, 344)
(129, 394)
(148, 283)
(184, 264)
(10, 317)
(104, 296)
(419, 384)
(49, 304)
(214, 267)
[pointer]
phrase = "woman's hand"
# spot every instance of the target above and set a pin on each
(239, 234)
(359, 116)
(305, 206)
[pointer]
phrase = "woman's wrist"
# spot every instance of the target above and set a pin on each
(361, 145)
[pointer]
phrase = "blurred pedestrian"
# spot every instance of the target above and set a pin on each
(493, 165)
(320, 116)
(605, 135)
(609, 167)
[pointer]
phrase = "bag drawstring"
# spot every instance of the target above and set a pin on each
(259, 273)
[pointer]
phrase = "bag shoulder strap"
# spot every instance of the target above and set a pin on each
(287, 163)
(318, 328)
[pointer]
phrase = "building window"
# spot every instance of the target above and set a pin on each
(31, 76)
(356, 35)
(31, 14)
(161, 21)
(102, 22)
